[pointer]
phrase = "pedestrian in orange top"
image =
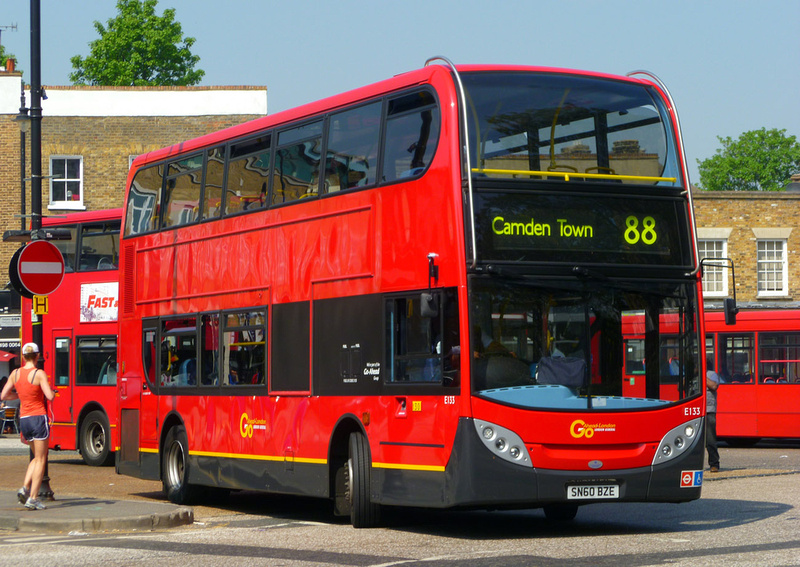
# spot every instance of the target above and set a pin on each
(30, 385)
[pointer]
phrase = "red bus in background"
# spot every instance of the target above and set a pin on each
(758, 362)
(666, 356)
(414, 294)
(80, 335)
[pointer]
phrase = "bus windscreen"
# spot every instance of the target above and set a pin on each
(535, 126)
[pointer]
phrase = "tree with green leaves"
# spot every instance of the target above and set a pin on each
(759, 160)
(138, 48)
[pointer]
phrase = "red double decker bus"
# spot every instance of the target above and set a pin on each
(758, 362)
(80, 335)
(413, 294)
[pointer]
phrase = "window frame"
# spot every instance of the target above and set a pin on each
(81, 346)
(778, 361)
(438, 363)
(68, 204)
(784, 268)
(709, 269)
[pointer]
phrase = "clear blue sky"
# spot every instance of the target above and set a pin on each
(731, 65)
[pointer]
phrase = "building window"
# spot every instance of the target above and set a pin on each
(772, 269)
(715, 275)
(66, 182)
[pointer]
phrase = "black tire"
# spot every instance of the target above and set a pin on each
(94, 440)
(363, 512)
(175, 468)
(561, 512)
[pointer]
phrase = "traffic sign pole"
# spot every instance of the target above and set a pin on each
(45, 491)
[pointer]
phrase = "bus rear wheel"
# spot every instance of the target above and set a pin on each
(363, 512)
(94, 439)
(175, 467)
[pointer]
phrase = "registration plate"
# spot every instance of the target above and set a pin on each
(592, 491)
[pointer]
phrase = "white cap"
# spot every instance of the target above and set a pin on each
(30, 348)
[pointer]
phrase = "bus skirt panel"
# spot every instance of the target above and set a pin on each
(267, 475)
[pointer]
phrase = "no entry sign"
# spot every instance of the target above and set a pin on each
(40, 267)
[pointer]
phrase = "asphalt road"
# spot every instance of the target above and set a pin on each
(747, 516)
(70, 476)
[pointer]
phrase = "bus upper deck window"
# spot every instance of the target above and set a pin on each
(182, 195)
(412, 132)
(248, 175)
(144, 200)
(352, 154)
(297, 163)
(212, 185)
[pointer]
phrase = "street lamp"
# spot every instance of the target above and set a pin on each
(24, 122)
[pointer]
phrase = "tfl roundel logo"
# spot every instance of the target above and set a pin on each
(691, 479)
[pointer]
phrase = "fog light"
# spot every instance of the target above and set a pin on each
(679, 442)
(515, 452)
(666, 450)
(500, 444)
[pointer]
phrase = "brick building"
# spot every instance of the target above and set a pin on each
(91, 134)
(760, 232)
(89, 138)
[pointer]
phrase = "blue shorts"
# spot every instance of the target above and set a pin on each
(34, 427)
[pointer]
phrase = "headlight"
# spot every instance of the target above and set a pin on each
(678, 441)
(503, 443)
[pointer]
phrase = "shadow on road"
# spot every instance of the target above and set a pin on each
(596, 519)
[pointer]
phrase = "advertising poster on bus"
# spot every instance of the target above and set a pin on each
(99, 301)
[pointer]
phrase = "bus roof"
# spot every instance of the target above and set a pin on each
(769, 317)
(82, 216)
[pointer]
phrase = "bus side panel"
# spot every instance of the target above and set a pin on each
(737, 412)
(777, 410)
(348, 345)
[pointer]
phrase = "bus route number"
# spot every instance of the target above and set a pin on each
(644, 231)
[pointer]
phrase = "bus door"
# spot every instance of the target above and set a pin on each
(423, 357)
(737, 414)
(63, 382)
(137, 406)
(148, 418)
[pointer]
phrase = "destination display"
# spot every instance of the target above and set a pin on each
(581, 229)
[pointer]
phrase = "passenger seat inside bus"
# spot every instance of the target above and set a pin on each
(562, 370)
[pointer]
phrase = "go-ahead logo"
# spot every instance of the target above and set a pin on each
(247, 425)
(580, 428)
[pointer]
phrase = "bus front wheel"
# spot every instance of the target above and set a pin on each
(175, 467)
(94, 440)
(363, 512)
